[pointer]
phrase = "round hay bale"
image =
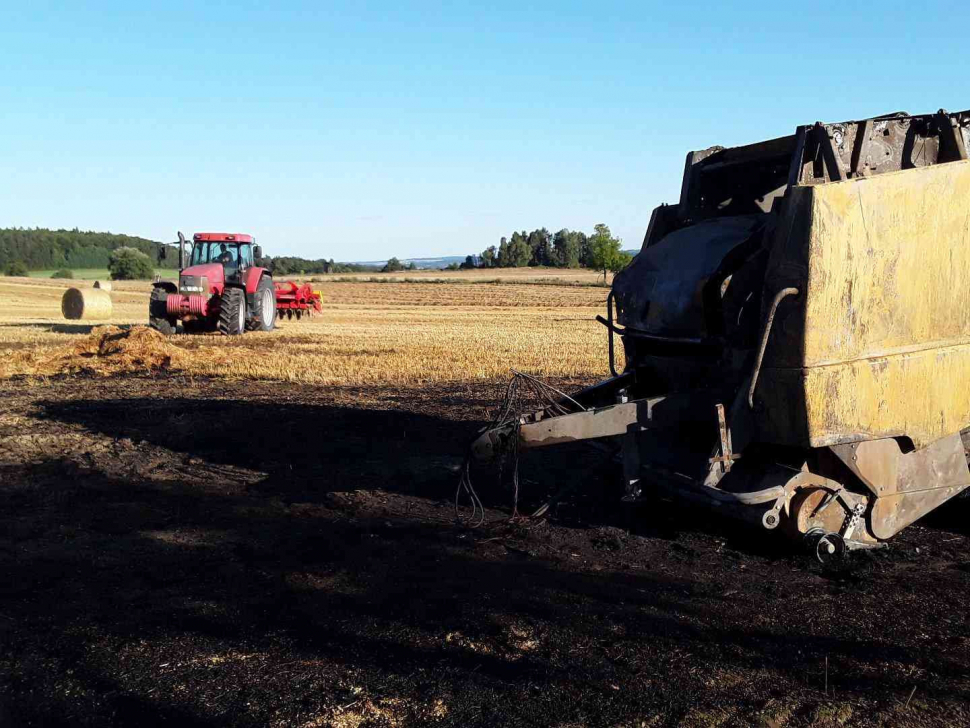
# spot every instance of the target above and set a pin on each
(103, 285)
(86, 303)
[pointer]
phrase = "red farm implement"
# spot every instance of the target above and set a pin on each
(293, 300)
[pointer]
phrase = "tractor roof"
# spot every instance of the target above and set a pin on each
(223, 237)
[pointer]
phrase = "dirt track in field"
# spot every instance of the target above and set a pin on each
(194, 552)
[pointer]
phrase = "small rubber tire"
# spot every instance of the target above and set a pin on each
(265, 304)
(158, 313)
(232, 312)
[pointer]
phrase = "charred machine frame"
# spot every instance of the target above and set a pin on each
(796, 334)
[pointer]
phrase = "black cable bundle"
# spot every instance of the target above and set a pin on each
(524, 395)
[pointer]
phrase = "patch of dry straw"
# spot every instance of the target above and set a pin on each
(106, 350)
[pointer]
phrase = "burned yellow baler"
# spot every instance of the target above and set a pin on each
(796, 334)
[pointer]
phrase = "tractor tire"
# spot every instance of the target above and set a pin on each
(265, 305)
(232, 312)
(158, 315)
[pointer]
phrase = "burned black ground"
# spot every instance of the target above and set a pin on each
(192, 552)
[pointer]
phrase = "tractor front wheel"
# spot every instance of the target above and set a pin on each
(158, 314)
(232, 312)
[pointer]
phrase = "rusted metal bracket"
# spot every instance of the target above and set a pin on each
(694, 343)
(609, 331)
(860, 154)
(905, 485)
(951, 137)
(727, 456)
(795, 170)
(830, 152)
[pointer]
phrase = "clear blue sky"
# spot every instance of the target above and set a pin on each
(360, 132)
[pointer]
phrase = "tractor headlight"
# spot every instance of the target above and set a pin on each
(193, 284)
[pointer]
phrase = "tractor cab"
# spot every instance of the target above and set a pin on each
(230, 255)
(221, 256)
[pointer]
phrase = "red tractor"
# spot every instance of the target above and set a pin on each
(221, 290)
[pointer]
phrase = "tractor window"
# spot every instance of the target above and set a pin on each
(225, 253)
(246, 255)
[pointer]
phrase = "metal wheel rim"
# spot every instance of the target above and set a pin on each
(268, 305)
(242, 316)
(830, 548)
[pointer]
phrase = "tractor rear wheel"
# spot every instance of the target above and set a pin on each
(158, 314)
(232, 312)
(265, 303)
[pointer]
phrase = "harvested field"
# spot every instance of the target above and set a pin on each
(488, 295)
(478, 275)
(369, 333)
(93, 274)
(260, 531)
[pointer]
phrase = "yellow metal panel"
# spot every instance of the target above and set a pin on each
(879, 343)
(923, 395)
(889, 264)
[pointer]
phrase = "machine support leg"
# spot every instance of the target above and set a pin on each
(630, 452)
(725, 433)
(630, 449)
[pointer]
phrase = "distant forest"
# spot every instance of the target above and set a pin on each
(286, 265)
(41, 249)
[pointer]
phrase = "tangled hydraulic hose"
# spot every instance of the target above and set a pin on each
(524, 394)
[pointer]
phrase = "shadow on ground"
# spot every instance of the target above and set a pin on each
(56, 328)
(305, 451)
(253, 562)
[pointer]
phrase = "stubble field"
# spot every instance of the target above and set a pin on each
(392, 331)
(260, 531)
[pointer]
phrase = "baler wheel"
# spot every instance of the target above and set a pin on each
(232, 312)
(157, 314)
(829, 547)
(815, 508)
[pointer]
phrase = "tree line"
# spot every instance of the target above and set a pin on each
(26, 249)
(565, 249)
(394, 265)
(43, 249)
(287, 265)
(23, 249)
